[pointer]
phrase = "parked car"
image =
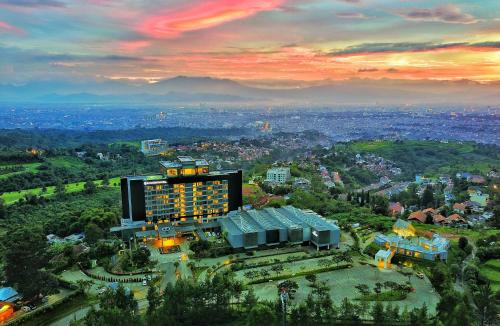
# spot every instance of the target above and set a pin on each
(102, 290)
(420, 275)
(144, 282)
(25, 308)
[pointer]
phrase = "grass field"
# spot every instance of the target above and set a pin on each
(27, 167)
(491, 270)
(14, 196)
(133, 143)
(382, 146)
(67, 162)
(454, 233)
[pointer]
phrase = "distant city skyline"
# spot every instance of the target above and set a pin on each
(273, 43)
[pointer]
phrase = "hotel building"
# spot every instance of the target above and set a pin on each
(186, 192)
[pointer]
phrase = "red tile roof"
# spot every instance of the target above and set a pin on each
(438, 218)
(418, 216)
(456, 218)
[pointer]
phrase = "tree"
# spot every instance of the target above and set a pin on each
(3, 210)
(348, 310)
(378, 312)
(452, 309)
(140, 256)
(93, 233)
(25, 262)
(116, 307)
(89, 187)
(154, 298)
(261, 315)
(428, 198)
(84, 285)
(363, 289)
(311, 278)
(485, 302)
(290, 287)
(278, 268)
(463, 242)
(380, 205)
(60, 189)
(105, 181)
(250, 300)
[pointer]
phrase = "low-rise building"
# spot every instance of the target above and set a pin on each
(271, 226)
(435, 248)
(278, 175)
(153, 147)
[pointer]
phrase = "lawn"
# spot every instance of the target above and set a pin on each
(14, 196)
(454, 233)
(491, 270)
(386, 147)
(27, 167)
(68, 162)
(131, 143)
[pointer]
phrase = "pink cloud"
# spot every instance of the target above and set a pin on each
(8, 27)
(202, 15)
(132, 46)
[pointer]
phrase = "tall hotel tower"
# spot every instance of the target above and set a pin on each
(186, 192)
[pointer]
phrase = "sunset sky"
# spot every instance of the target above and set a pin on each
(261, 42)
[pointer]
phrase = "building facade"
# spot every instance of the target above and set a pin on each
(278, 175)
(272, 226)
(185, 192)
(153, 147)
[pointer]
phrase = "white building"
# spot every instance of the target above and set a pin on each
(278, 175)
(154, 146)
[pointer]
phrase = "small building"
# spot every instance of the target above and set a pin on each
(418, 216)
(9, 294)
(383, 259)
(433, 249)
(439, 219)
(396, 209)
(479, 197)
(154, 147)
(278, 175)
(455, 218)
(403, 228)
(459, 208)
(302, 183)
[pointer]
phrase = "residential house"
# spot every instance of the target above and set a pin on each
(395, 209)
(459, 208)
(456, 219)
(418, 216)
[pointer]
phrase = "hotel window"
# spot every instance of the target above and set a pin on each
(188, 171)
(172, 172)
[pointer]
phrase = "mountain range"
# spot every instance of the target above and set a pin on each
(183, 90)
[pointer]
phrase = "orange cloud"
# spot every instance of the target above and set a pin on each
(201, 16)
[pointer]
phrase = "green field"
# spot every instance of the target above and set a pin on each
(14, 196)
(68, 162)
(27, 167)
(491, 270)
(386, 147)
(133, 143)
